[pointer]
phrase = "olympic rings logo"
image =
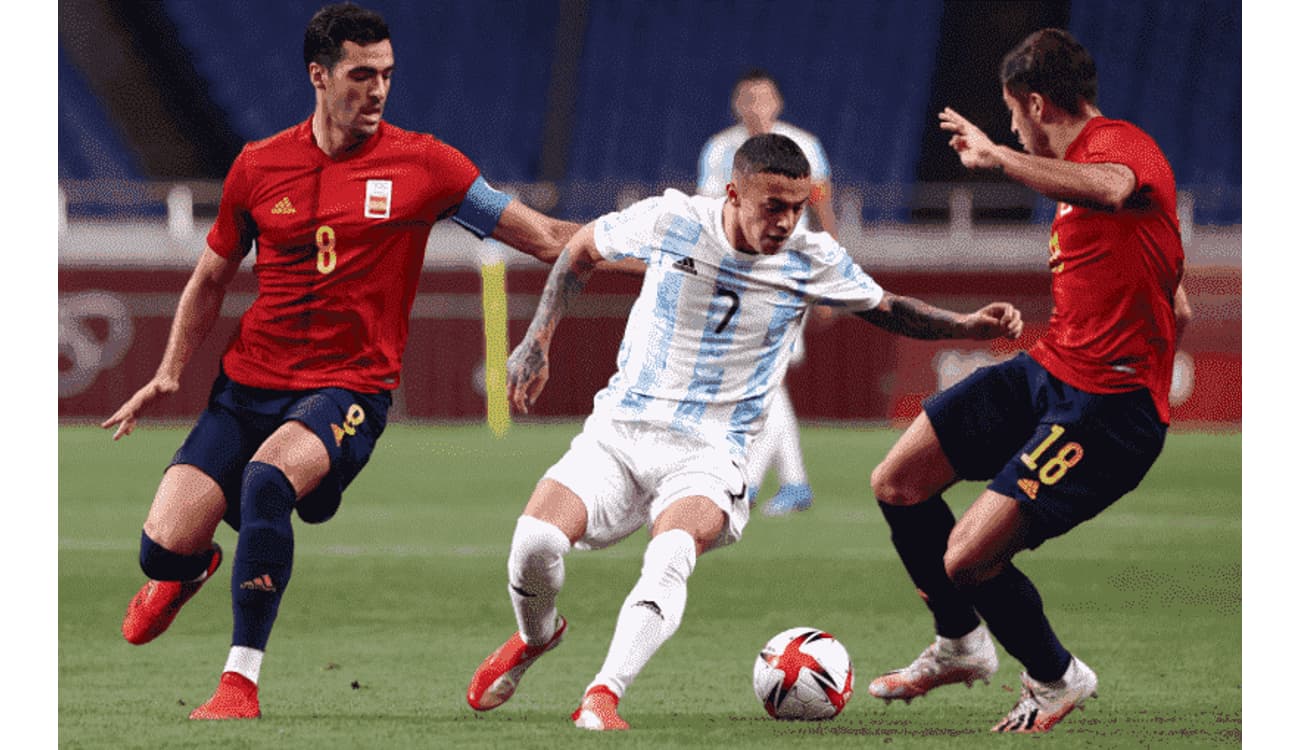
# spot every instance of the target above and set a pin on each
(85, 352)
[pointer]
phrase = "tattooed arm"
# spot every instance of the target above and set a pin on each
(527, 368)
(913, 318)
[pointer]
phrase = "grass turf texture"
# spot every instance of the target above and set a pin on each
(395, 601)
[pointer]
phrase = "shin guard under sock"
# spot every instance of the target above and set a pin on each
(920, 534)
(264, 557)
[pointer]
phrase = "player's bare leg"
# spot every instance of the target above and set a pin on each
(287, 466)
(653, 609)
(908, 484)
(177, 551)
(553, 519)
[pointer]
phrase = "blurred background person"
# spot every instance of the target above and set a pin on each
(756, 103)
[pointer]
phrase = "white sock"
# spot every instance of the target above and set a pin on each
(652, 610)
(536, 568)
(246, 661)
(966, 644)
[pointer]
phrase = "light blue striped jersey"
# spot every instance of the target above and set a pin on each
(711, 333)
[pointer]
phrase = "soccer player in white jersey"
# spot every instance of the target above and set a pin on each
(726, 282)
(756, 103)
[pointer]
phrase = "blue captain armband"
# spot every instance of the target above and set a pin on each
(481, 209)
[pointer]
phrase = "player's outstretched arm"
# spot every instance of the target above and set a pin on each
(533, 232)
(197, 310)
(913, 318)
(1108, 187)
(527, 368)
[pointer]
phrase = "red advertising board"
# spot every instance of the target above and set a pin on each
(113, 327)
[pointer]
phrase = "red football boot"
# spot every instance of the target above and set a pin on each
(156, 604)
(599, 711)
(497, 677)
(236, 698)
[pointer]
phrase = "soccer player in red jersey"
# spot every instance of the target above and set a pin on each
(1064, 430)
(340, 208)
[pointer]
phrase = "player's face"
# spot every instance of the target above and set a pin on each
(767, 208)
(356, 89)
(1026, 123)
(758, 104)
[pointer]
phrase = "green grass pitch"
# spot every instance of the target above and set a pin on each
(396, 600)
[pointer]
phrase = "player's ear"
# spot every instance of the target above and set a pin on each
(1035, 106)
(733, 197)
(317, 74)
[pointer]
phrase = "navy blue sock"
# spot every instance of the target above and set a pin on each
(161, 564)
(264, 557)
(920, 534)
(1013, 610)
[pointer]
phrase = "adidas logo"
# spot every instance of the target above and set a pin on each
(1030, 487)
(686, 265)
(260, 583)
(284, 207)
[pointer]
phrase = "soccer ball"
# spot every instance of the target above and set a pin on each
(803, 674)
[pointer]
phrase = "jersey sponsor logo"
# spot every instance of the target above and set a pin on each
(686, 265)
(379, 199)
(284, 207)
(1029, 487)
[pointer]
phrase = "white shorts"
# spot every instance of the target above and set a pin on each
(627, 473)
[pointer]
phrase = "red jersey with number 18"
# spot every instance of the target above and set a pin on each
(340, 245)
(1114, 274)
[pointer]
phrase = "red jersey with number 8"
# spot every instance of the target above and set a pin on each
(1114, 274)
(340, 245)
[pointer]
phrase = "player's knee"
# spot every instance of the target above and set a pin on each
(967, 571)
(889, 487)
(266, 496)
(536, 554)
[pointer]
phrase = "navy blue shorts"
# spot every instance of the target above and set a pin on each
(239, 419)
(1065, 454)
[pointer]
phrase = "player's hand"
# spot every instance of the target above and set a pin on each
(996, 320)
(129, 413)
(970, 143)
(526, 372)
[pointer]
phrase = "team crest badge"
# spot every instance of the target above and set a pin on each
(379, 199)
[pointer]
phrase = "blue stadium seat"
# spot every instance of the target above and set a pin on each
(656, 79)
(94, 154)
(90, 147)
(1174, 69)
(473, 81)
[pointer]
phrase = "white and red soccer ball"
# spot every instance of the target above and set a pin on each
(803, 674)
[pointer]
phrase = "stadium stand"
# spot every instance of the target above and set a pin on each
(1189, 100)
(89, 144)
(473, 81)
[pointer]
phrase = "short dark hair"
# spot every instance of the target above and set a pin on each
(773, 154)
(1054, 64)
(754, 75)
(335, 24)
